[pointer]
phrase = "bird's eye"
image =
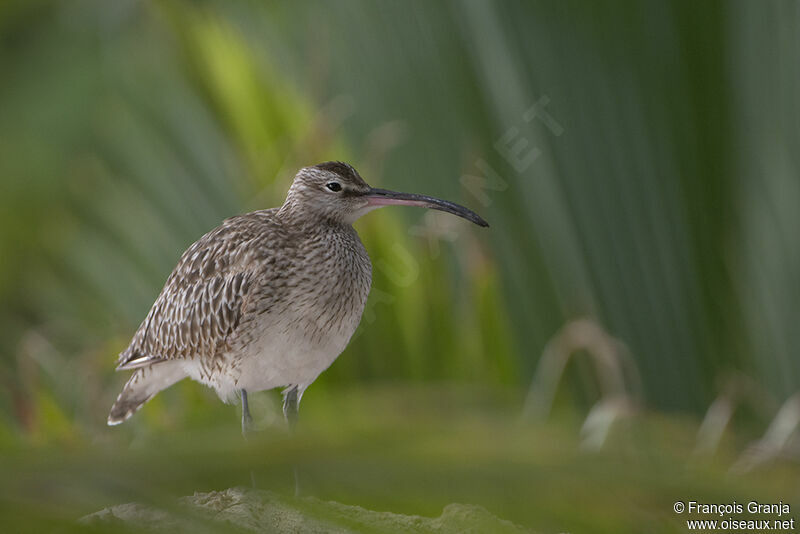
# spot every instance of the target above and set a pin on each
(334, 186)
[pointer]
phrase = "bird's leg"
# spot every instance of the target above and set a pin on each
(247, 421)
(290, 405)
(247, 426)
(291, 401)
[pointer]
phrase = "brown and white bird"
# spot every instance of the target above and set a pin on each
(268, 299)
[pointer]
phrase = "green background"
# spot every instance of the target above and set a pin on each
(653, 200)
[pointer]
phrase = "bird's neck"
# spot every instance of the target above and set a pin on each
(297, 214)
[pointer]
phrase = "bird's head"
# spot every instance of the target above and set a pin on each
(335, 191)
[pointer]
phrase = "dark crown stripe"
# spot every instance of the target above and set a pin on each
(338, 167)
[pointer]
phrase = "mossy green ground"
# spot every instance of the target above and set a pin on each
(253, 510)
(410, 451)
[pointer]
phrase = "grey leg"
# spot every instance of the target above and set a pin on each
(247, 421)
(291, 402)
(290, 405)
(247, 426)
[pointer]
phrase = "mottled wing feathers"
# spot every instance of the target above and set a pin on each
(201, 304)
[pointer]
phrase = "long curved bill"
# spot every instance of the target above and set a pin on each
(384, 197)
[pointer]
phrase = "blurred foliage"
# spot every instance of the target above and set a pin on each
(654, 191)
(408, 450)
(176, 122)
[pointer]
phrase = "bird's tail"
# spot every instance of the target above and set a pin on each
(142, 386)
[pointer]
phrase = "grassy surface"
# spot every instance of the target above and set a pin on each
(407, 451)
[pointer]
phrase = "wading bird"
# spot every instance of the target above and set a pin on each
(267, 299)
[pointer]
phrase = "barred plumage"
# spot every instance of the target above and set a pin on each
(267, 299)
